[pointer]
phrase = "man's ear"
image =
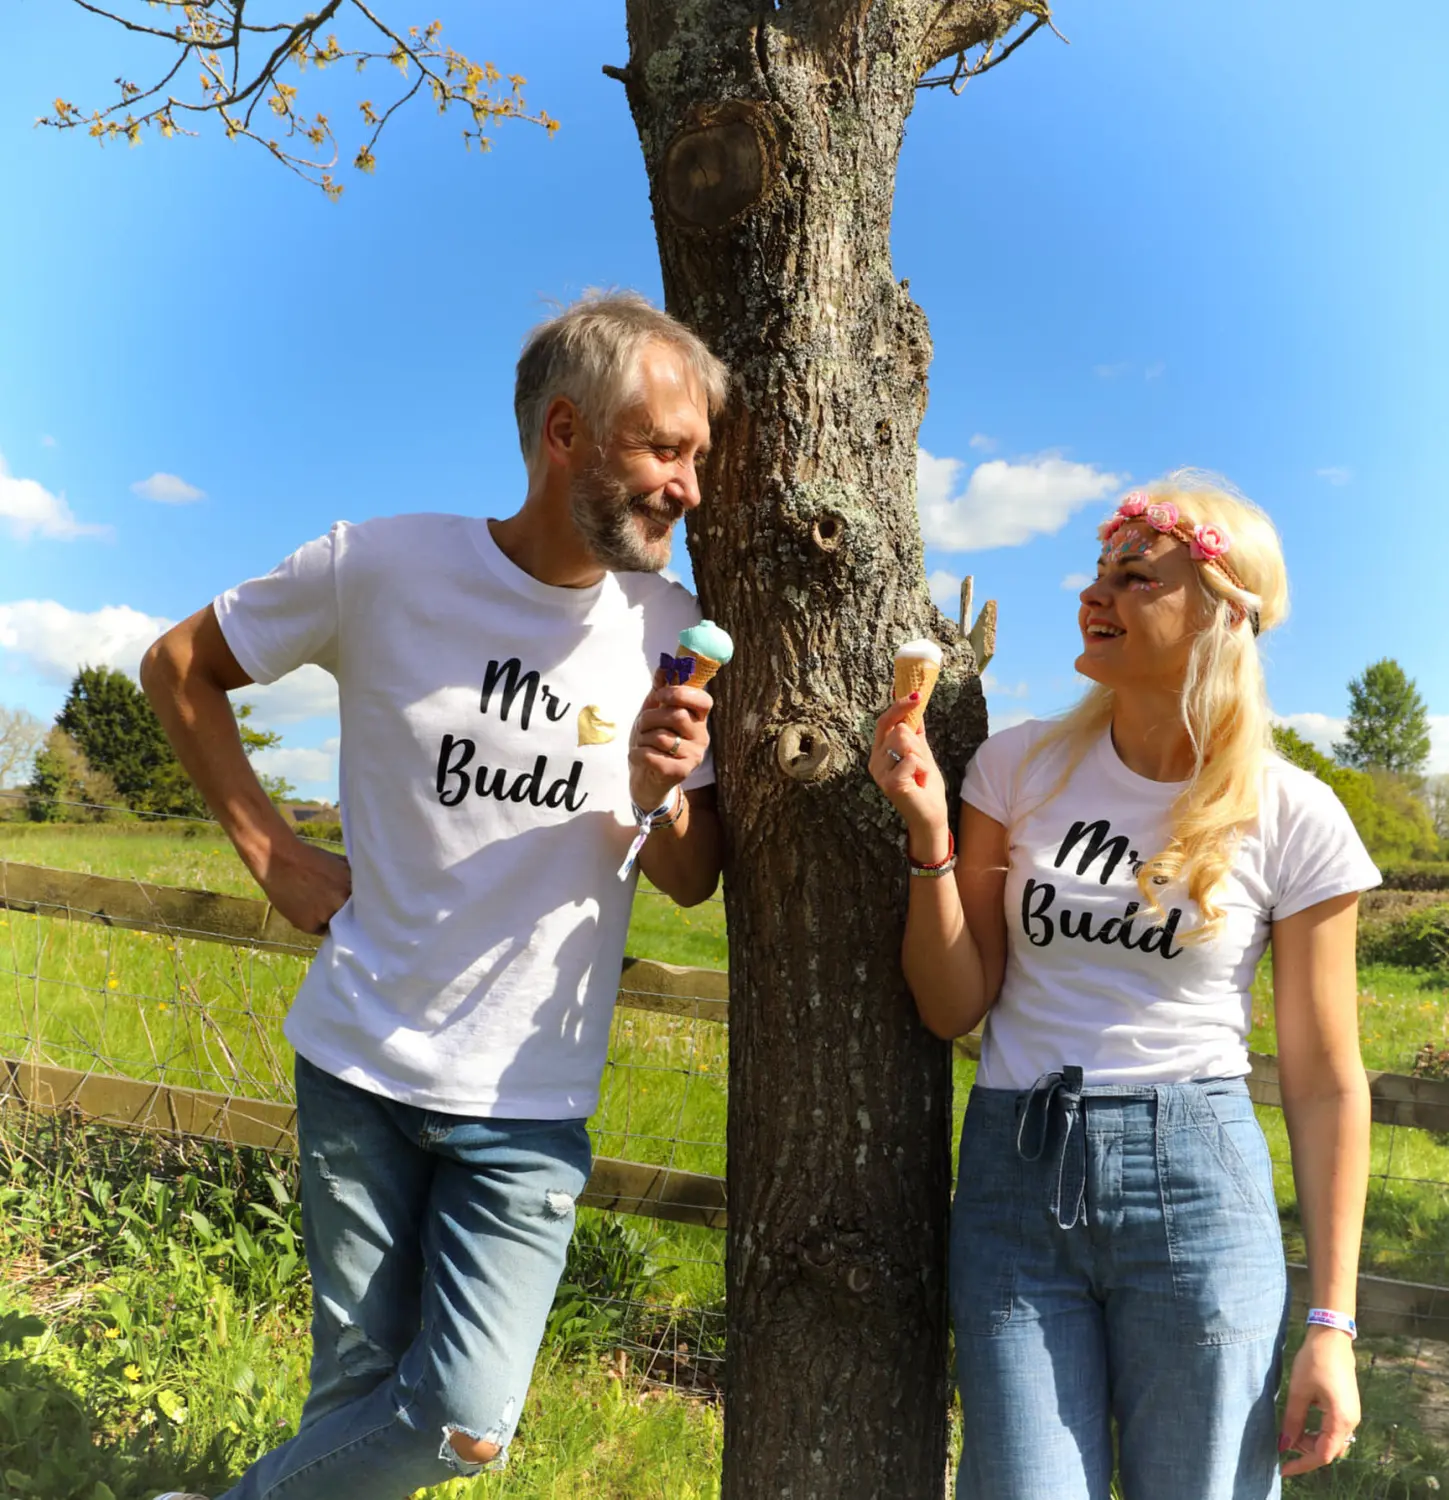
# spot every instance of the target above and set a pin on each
(563, 432)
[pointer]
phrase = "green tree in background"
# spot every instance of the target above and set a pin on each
(1388, 723)
(1391, 820)
(64, 787)
(1436, 799)
(118, 732)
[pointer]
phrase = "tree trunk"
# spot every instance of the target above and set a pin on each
(771, 134)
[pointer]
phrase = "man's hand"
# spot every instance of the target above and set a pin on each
(307, 884)
(669, 741)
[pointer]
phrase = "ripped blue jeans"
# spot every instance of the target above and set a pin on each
(435, 1244)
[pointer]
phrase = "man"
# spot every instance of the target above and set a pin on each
(496, 768)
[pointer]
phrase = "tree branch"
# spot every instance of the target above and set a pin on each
(960, 26)
(231, 91)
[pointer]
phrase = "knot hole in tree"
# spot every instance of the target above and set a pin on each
(719, 165)
(804, 752)
(828, 532)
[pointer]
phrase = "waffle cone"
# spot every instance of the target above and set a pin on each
(916, 675)
(704, 668)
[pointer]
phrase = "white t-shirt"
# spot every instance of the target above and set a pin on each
(485, 802)
(1090, 981)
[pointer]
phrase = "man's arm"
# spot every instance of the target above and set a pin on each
(670, 738)
(684, 859)
(187, 675)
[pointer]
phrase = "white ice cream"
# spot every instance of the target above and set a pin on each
(922, 650)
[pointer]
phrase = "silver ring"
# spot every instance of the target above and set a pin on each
(1350, 1440)
(895, 755)
(674, 748)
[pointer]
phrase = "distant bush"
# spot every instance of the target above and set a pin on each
(1417, 875)
(1419, 939)
(324, 830)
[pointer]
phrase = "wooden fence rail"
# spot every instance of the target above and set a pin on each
(1385, 1306)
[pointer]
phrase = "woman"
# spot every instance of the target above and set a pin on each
(1115, 1249)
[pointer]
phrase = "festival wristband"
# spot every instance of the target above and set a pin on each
(1325, 1317)
(666, 813)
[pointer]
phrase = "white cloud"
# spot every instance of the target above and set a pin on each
(1003, 504)
(301, 765)
(56, 641)
(46, 441)
(1438, 744)
(1320, 730)
(1323, 731)
(304, 694)
(945, 592)
(1076, 582)
(167, 489)
(1335, 474)
(997, 689)
(981, 443)
(31, 509)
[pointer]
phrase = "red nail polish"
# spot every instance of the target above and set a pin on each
(915, 697)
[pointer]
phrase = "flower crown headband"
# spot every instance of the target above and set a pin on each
(1206, 543)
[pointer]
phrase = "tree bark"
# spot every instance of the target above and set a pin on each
(771, 134)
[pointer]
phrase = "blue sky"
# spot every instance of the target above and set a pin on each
(1210, 232)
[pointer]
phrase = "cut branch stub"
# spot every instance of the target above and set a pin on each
(805, 752)
(719, 165)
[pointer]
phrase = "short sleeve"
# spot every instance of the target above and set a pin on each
(988, 781)
(288, 618)
(1320, 854)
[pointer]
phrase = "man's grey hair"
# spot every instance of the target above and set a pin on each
(590, 354)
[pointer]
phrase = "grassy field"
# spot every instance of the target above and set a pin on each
(82, 1257)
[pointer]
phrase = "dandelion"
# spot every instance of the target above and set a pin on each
(132, 1373)
(112, 983)
(113, 1333)
(162, 1006)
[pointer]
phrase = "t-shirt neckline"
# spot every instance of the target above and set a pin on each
(581, 603)
(1116, 769)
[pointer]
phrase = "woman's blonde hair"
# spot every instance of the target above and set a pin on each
(1224, 698)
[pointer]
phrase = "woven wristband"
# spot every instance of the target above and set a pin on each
(666, 813)
(1325, 1317)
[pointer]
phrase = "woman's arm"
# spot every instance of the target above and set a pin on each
(1326, 1106)
(954, 952)
(954, 949)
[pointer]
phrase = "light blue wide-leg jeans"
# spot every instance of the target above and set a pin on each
(1116, 1256)
(435, 1244)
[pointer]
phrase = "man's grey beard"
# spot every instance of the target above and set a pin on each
(610, 520)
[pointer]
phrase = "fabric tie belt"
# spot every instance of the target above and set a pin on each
(1058, 1096)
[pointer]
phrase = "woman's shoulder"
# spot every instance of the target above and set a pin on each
(1290, 793)
(1015, 744)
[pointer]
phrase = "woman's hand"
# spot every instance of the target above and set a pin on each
(1323, 1376)
(905, 770)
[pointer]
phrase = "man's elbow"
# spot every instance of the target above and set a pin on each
(158, 667)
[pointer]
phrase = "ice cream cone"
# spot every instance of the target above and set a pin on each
(704, 668)
(706, 662)
(917, 666)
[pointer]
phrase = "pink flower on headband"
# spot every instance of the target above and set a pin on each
(1108, 527)
(1209, 542)
(1161, 514)
(1133, 505)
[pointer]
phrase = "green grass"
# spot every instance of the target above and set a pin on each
(206, 1015)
